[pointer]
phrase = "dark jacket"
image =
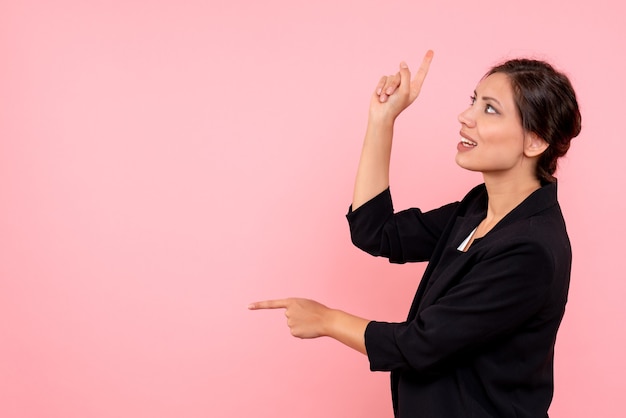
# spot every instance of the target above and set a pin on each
(479, 338)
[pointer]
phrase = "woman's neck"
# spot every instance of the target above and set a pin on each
(507, 193)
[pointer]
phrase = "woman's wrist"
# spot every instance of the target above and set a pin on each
(381, 121)
(346, 328)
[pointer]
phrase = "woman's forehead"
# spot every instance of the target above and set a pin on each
(496, 83)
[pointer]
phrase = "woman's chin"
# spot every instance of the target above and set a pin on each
(463, 163)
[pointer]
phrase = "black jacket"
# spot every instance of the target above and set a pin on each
(479, 338)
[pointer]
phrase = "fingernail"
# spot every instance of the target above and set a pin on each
(380, 90)
(251, 306)
(389, 91)
(403, 65)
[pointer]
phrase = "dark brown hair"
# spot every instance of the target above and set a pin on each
(546, 102)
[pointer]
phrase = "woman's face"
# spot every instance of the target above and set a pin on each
(492, 137)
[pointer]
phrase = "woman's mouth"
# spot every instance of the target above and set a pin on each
(467, 143)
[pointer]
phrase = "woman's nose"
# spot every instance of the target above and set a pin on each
(466, 118)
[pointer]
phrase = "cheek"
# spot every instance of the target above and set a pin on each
(508, 148)
(509, 138)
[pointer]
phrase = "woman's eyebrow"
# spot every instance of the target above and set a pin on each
(487, 98)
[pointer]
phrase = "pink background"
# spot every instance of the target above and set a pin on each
(164, 163)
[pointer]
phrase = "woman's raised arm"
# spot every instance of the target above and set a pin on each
(393, 94)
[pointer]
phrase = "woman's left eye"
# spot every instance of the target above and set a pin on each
(490, 109)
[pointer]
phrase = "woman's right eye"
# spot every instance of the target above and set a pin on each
(472, 100)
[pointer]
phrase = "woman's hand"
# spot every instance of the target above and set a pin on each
(395, 93)
(305, 318)
(310, 319)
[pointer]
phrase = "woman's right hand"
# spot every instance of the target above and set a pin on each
(396, 92)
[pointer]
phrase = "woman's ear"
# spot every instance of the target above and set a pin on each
(534, 145)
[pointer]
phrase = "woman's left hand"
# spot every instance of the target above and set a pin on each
(306, 318)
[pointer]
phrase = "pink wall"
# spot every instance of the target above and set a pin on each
(163, 163)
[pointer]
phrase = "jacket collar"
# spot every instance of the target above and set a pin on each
(476, 209)
(541, 199)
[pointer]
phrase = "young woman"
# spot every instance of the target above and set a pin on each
(479, 337)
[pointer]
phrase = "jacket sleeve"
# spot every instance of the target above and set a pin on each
(410, 235)
(491, 301)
